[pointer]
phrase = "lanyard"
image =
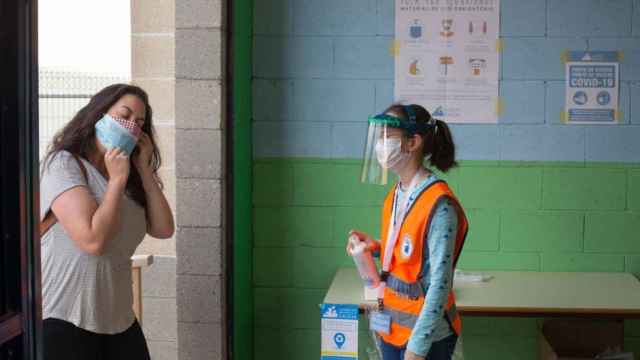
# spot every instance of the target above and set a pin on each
(397, 218)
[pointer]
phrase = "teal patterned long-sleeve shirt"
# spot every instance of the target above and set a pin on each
(436, 277)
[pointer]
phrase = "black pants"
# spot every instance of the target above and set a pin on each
(440, 350)
(65, 341)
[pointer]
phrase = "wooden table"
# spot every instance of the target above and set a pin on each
(518, 294)
(137, 263)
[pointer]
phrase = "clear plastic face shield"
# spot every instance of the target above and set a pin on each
(384, 140)
(383, 147)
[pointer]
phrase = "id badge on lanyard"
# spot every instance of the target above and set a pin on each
(380, 322)
(397, 218)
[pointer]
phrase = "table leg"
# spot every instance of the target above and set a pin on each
(137, 292)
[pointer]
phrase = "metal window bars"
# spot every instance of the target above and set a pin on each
(62, 93)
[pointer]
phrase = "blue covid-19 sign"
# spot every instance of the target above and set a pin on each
(592, 87)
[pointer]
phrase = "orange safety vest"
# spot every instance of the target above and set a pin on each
(404, 295)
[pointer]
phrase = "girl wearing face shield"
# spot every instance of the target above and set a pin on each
(423, 231)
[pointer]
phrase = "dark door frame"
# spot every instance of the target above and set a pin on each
(20, 307)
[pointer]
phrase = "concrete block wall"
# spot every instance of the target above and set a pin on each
(159, 310)
(199, 179)
(178, 59)
(541, 195)
(153, 69)
(311, 54)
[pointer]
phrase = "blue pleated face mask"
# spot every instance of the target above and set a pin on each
(117, 133)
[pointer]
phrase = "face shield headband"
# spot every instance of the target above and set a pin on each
(410, 125)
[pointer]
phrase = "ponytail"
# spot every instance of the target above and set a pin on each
(439, 143)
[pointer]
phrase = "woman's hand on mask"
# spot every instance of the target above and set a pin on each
(142, 159)
(408, 355)
(117, 163)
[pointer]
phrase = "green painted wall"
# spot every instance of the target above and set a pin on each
(524, 216)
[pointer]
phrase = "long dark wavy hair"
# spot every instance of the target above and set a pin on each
(79, 136)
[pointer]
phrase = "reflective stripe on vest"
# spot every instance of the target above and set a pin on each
(452, 313)
(404, 296)
(401, 318)
(409, 320)
(411, 290)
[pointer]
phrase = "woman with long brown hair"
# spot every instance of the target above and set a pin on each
(100, 194)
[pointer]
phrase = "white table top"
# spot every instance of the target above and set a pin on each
(523, 294)
(141, 260)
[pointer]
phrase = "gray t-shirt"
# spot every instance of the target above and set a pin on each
(91, 292)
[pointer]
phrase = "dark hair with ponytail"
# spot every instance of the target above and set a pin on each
(437, 140)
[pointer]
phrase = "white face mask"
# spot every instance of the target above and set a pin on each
(390, 154)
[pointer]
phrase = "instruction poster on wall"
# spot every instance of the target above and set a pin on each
(447, 58)
(592, 86)
(339, 332)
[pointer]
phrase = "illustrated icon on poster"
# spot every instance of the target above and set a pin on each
(415, 29)
(415, 67)
(339, 339)
(445, 62)
(477, 65)
(580, 98)
(447, 26)
(331, 312)
(478, 27)
(604, 98)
